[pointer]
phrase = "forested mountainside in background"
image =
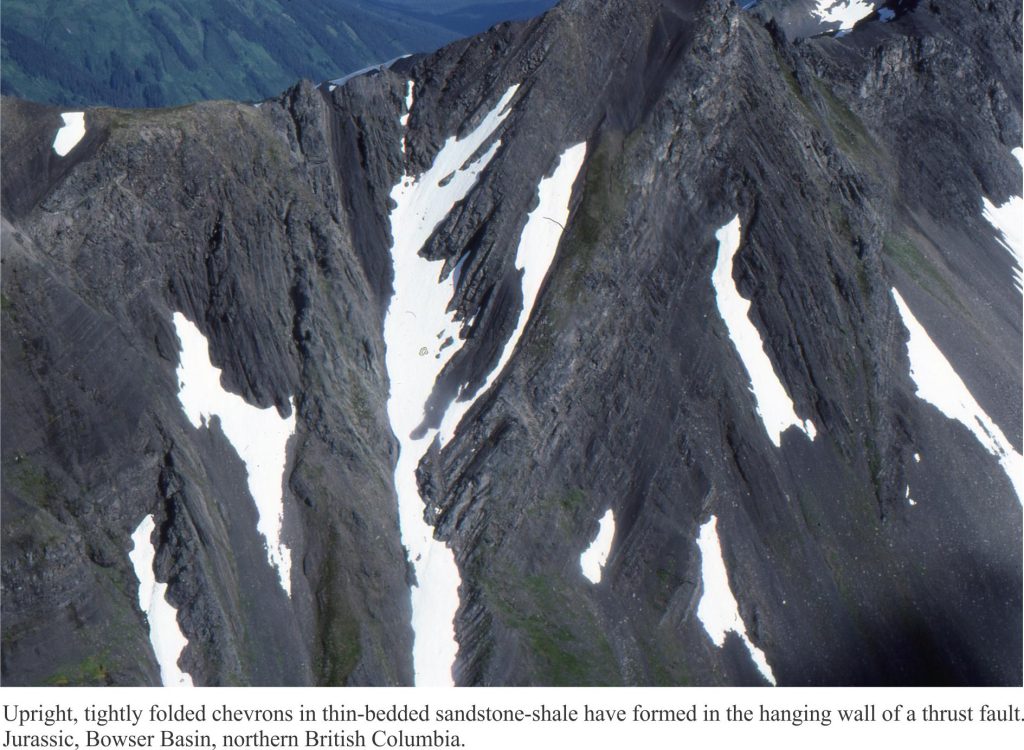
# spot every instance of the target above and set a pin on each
(645, 342)
(157, 53)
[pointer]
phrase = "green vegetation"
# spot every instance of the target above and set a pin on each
(34, 484)
(563, 637)
(151, 53)
(343, 647)
(790, 78)
(555, 618)
(572, 500)
(847, 128)
(92, 670)
(677, 676)
(668, 582)
(602, 204)
(159, 52)
(340, 633)
(359, 402)
(900, 249)
(850, 132)
(840, 221)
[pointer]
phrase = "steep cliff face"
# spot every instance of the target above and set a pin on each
(232, 216)
(728, 286)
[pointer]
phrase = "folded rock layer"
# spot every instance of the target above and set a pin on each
(845, 171)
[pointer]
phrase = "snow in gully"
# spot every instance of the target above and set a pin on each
(422, 334)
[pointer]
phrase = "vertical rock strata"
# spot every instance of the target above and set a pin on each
(865, 173)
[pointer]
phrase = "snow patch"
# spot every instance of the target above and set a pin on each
(259, 436)
(886, 14)
(596, 555)
(774, 405)
(938, 384)
(70, 133)
(534, 256)
(844, 12)
(421, 336)
(404, 119)
(717, 610)
(410, 91)
(164, 634)
(1008, 221)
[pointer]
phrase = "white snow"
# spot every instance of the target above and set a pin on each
(421, 336)
(596, 555)
(259, 436)
(410, 88)
(938, 384)
(1008, 220)
(717, 610)
(917, 457)
(404, 119)
(844, 12)
(534, 256)
(70, 133)
(774, 405)
(810, 429)
(164, 634)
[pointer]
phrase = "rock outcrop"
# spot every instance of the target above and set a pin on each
(877, 543)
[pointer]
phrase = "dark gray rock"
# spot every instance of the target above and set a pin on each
(223, 212)
(856, 164)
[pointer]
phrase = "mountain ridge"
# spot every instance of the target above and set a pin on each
(158, 53)
(269, 228)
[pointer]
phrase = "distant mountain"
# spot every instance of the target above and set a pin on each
(467, 17)
(154, 53)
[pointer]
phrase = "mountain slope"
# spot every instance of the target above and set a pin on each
(725, 290)
(155, 53)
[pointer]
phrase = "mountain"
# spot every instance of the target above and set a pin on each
(158, 53)
(652, 342)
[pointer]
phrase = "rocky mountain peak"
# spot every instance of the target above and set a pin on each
(720, 297)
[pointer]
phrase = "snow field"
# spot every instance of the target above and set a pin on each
(844, 12)
(717, 610)
(422, 335)
(938, 384)
(596, 555)
(70, 133)
(1008, 221)
(773, 403)
(259, 436)
(164, 634)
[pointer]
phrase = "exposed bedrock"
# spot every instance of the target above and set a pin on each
(834, 178)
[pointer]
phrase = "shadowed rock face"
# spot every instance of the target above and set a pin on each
(231, 215)
(855, 164)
